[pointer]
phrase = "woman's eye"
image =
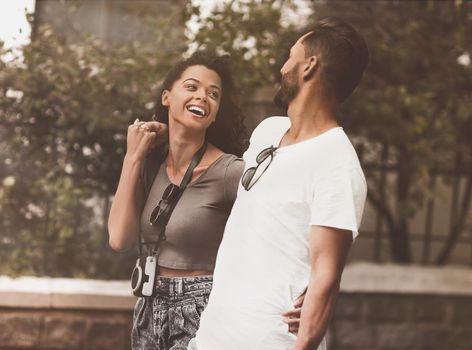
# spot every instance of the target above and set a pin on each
(191, 87)
(214, 94)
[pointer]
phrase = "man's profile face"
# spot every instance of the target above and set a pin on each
(288, 89)
(290, 84)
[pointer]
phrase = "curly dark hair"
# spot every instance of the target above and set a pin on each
(228, 132)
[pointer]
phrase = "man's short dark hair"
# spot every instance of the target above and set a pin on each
(343, 56)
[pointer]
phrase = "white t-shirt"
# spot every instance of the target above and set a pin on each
(263, 262)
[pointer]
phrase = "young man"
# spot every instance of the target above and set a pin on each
(298, 207)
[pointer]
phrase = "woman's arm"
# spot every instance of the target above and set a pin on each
(123, 221)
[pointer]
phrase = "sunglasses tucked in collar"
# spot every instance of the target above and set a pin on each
(253, 174)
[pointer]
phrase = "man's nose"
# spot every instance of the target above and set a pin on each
(282, 69)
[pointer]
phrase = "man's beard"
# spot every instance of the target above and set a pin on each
(288, 89)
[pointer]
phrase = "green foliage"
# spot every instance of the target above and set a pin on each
(64, 113)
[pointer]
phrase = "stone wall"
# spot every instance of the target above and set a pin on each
(379, 308)
(25, 328)
(397, 322)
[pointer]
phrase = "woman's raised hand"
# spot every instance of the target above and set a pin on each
(143, 137)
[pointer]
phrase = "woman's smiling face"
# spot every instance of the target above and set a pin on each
(194, 98)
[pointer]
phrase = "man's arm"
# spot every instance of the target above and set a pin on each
(328, 251)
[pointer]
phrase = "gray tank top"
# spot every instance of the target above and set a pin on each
(195, 229)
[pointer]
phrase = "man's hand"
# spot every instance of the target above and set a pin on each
(292, 316)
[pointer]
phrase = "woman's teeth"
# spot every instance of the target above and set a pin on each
(197, 110)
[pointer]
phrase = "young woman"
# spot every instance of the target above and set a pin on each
(195, 107)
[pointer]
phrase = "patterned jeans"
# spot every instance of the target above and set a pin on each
(170, 319)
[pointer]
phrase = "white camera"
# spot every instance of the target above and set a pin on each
(142, 282)
(150, 272)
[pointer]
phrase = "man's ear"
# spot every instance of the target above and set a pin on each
(165, 98)
(310, 67)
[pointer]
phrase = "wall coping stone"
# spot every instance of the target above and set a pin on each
(65, 293)
(359, 277)
(406, 279)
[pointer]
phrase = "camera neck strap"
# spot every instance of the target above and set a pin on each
(197, 157)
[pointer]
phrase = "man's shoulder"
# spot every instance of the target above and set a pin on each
(271, 126)
(340, 151)
(274, 121)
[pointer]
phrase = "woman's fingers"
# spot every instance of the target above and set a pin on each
(135, 126)
(299, 301)
(156, 126)
(161, 130)
(150, 136)
(295, 312)
(144, 136)
(292, 318)
(293, 324)
(144, 143)
(148, 139)
(141, 139)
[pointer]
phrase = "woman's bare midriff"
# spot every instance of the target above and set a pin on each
(167, 272)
